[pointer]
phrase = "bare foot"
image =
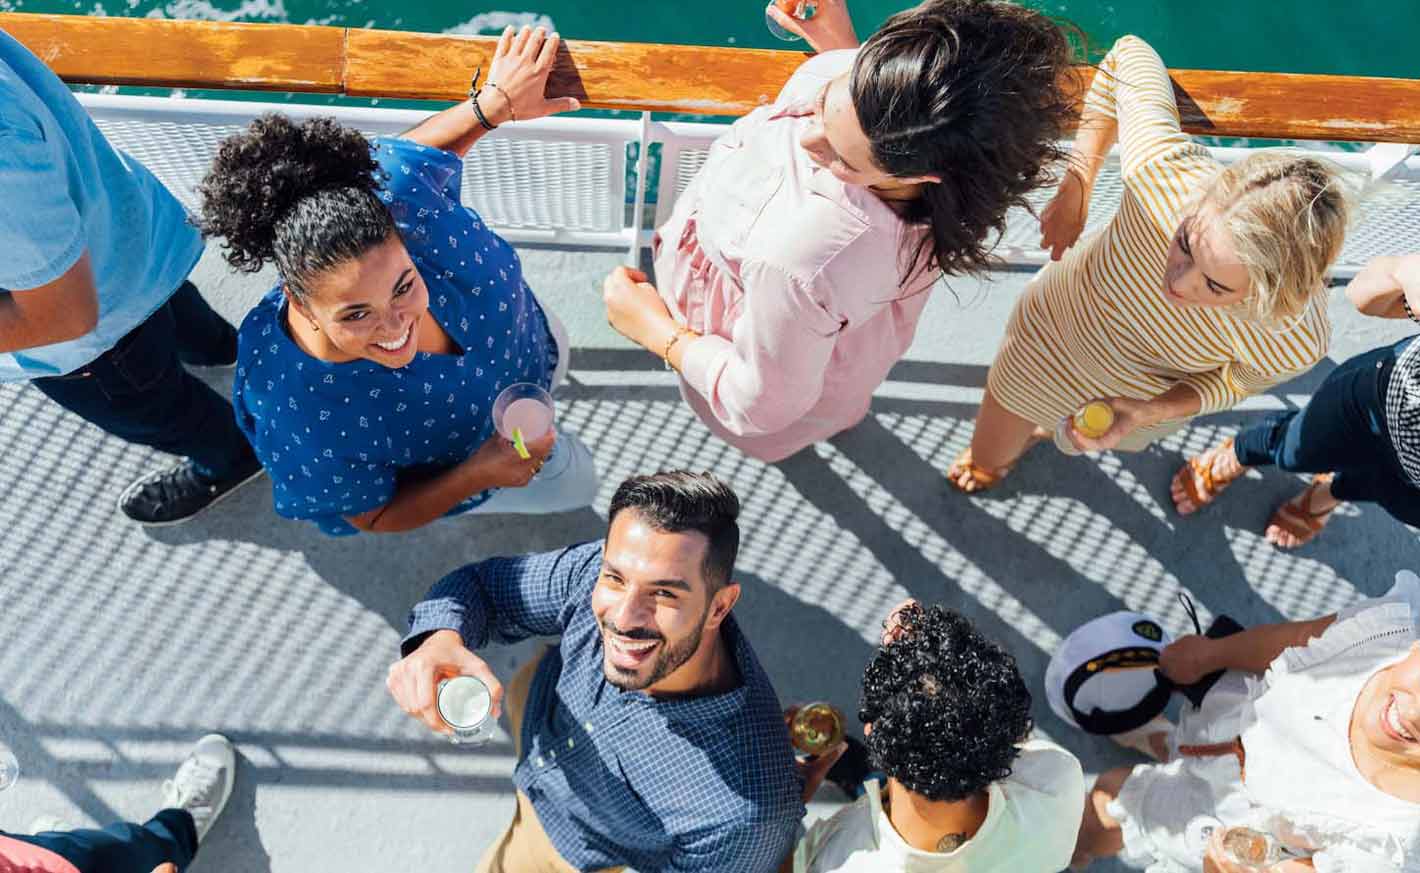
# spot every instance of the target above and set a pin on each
(1309, 512)
(1221, 463)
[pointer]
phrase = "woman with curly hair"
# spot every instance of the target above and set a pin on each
(795, 267)
(947, 719)
(366, 379)
(1207, 286)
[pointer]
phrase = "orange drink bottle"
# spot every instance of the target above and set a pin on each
(1092, 421)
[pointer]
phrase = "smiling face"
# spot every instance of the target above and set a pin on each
(1387, 717)
(1203, 268)
(370, 307)
(655, 607)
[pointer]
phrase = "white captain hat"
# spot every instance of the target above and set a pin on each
(1103, 678)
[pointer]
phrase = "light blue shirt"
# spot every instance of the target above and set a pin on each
(64, 191)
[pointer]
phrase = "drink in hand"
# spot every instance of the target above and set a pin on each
(466, 706)
(800, 9)
(816, 728)
(523, 412)
(1092, 421)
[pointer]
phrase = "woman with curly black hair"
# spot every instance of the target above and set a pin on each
(366, 379)
(947, 718)
(796, 265)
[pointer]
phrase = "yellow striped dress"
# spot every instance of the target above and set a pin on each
(1097, 322)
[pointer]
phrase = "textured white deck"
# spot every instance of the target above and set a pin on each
(122, 644)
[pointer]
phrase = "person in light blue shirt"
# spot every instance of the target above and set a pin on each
(366, 379)
(95, 309)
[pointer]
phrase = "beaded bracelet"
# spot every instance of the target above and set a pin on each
(1409, 313)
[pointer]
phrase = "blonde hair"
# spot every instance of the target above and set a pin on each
(1287, 214)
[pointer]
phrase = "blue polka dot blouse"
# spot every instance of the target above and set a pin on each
(337, 438)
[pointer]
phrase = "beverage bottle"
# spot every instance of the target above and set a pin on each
(1093, 420)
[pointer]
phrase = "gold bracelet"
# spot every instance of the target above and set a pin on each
(512, 114)
(666, 354)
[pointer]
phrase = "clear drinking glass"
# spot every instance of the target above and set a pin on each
(466, 706)
(523, 412)
(9, 767)
(800, 9)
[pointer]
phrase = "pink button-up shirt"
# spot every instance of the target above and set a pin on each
(793, 278)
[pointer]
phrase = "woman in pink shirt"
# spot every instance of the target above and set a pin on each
(796, 264)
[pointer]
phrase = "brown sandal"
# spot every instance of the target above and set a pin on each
(1297, 517)
(985, 479)
(1196, 469)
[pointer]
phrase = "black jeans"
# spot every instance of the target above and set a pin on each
(124, 847)
(140, 392)
(1343, 429)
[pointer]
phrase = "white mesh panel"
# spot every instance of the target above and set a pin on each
(564, 179)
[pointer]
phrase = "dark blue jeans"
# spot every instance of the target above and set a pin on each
(140, 392)
(1343, 429)
(124, 847)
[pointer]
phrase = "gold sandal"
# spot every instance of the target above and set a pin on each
(1189, 475)
(1297, 517)
(983, 478)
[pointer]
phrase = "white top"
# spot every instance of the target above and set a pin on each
(1296, 732)
(1031, 823)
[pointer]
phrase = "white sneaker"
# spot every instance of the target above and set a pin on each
(203, 782)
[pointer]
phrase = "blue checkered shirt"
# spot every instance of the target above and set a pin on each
(618, 777)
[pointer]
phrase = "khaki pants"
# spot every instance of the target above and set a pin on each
(524, 847)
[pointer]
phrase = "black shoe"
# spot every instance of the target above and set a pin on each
(177, 494)
(852, 768)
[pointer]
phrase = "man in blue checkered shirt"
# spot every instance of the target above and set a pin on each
(650, 737)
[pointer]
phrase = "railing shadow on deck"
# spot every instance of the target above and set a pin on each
(834, 536)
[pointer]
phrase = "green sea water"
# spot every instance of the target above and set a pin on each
(1359, 37)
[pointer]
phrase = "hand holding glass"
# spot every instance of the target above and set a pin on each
(522, 413)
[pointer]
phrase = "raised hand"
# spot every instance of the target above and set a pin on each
(830, 28)
(413, 682)
(516, 88)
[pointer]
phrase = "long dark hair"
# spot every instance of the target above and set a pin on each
(301, 195)
(971, 91)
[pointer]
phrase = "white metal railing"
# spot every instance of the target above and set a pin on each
(565, 181)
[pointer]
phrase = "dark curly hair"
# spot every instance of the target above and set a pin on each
(301, 195)
(677, 500)
(971, 91)
(948, 707)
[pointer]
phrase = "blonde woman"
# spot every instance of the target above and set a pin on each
(1206, 287)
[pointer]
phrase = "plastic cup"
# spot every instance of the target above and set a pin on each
(9, 767)
(523, 412)
(800, 9)
(816, 728)
(466, 706)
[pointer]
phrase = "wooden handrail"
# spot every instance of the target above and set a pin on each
(636, 76)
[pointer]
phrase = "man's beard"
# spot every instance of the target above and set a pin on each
(667, 662)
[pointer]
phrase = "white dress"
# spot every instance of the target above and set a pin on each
(1032, 820)
(1302, 785)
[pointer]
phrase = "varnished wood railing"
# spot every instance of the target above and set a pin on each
(637, 76)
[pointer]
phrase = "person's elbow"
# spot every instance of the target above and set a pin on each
(81, 317)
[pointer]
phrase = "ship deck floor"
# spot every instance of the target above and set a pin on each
(124, 644)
